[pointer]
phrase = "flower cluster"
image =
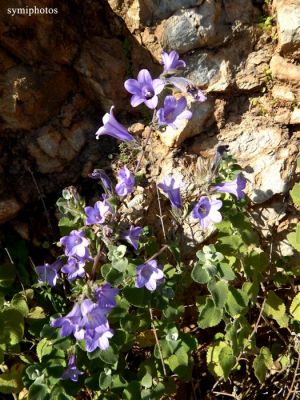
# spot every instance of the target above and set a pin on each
(145, 90)
(104, 226)
(88, 319)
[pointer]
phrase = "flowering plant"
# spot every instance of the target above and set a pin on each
(116, 321)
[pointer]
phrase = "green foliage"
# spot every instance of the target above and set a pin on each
(262, 363)
(220, 290)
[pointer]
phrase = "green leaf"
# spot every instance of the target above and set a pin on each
(11, 326)
(11, 381)
(236, 302)
(209, 315)
(213, 358)
(295, 194)
(7, 274)
(105, 379)
(19, 302)
(38, 392)
(225, 271)
(275, 308)
(227, 360)
(219, 292)
(43, 348)
(262, 363)
(137, 297)
(132, 391)
(36, 319)
(109, 356)
(199, 274)
(294, 238)
(295, 307)
(146, 372)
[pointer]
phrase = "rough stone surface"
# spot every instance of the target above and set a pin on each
(102, 66)
(252, 74)
(59, 75)
(284, 70)
(199, 26)
(24, 101)
(265, 153)
(138, 13)
(288, 23)
(295, 117)
(9, 208)
(284, 93)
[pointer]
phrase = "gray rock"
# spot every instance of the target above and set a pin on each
(267, 157)
(288, 26)
(194, 28)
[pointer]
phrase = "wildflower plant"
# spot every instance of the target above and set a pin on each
(115, 323)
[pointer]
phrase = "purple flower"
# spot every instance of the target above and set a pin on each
(92, 314)
(69, 324)
(98, 337)
(173, 111)
(126, 182)
(113, 128)
(97, 214)
(74, 268)
(76, 244)
(106, 296)
(49, 272)
(171, 61)
(72, 372)
(148, 275)
(206, 211)
(144, 89)
(235, 187)
(187, 86)
(132, 235)
(171, 186)
(101, 175)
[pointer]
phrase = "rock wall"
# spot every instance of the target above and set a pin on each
(61, 73)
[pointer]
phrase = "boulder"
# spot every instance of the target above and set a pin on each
(288, 27)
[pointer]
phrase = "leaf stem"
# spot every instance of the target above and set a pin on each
(157, 342)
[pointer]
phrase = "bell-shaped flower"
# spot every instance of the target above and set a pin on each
(106, 296)
(171, 186)
(235, 187)
(48, 272)
(144, 89)
(92, 314)
(132, 236)
(206, 211)
(98, 213)
(113, 128)
(187, 86)
(98, 337)
(125, 183)
(74, 268)
(103, 177)
(76, 244)
(171, 62)
(70, 323)
(173, 111)
(149, 275)
(72, 372)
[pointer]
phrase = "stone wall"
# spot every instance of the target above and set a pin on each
(61, 73)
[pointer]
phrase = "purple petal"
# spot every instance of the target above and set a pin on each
(132, 86)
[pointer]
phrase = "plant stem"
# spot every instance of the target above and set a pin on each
(157, 342)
